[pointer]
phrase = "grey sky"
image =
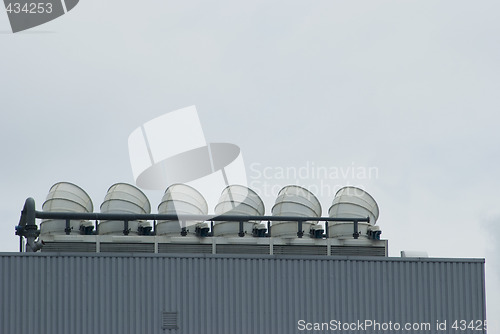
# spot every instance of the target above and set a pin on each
(406, 87)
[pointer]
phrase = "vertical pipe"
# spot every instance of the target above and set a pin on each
(67, 230)
(125, 227)
(300, 233)
(241, 233)
(183, 228)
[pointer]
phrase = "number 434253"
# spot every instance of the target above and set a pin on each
(29, 8)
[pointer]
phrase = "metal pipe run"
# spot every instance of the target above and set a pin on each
(133, 216)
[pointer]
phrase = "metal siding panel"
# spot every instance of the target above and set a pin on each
(455, 288)
(224, 316)
(430, 288)
(442, 289)
(468, 290)
(14, 293)
(18, 276)
(390, 282)
(215, 294)
(481, 291)
(4, 298)
(275, 302)
(449, 288)
(252, 293)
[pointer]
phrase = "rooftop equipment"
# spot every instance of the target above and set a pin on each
(353, 202)
(65, 197)
(180, 199)
(316, 231)
(125, 210)
(259, 230)
(298, 202)
(237, 200)
(123, 198)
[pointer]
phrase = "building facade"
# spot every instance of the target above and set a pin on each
(63, 292)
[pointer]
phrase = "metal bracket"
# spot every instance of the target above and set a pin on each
(126, 230)
(68, 228)
(183, 230)
(241, 233)
(300, 233)
(356, 232)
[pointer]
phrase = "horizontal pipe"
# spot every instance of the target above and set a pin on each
(132, 217)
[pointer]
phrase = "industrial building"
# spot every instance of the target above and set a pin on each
(125, 270)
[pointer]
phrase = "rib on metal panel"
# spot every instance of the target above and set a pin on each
(124, 293)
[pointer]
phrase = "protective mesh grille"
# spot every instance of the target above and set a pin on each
(169, 320)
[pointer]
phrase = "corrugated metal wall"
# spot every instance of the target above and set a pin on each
(120, 293)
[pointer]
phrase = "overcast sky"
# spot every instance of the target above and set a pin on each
(407, 88)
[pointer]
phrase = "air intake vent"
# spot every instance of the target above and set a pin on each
(169, 320)
(86, 247)
(185, 248)
(358, 251)
(128, 247)
(242, 249)
(300, 250)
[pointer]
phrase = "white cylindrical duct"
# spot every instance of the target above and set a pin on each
(123, 198)
(180, 199)
(298, 202)
(240, 201)
(65, 197)
(352, 202)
